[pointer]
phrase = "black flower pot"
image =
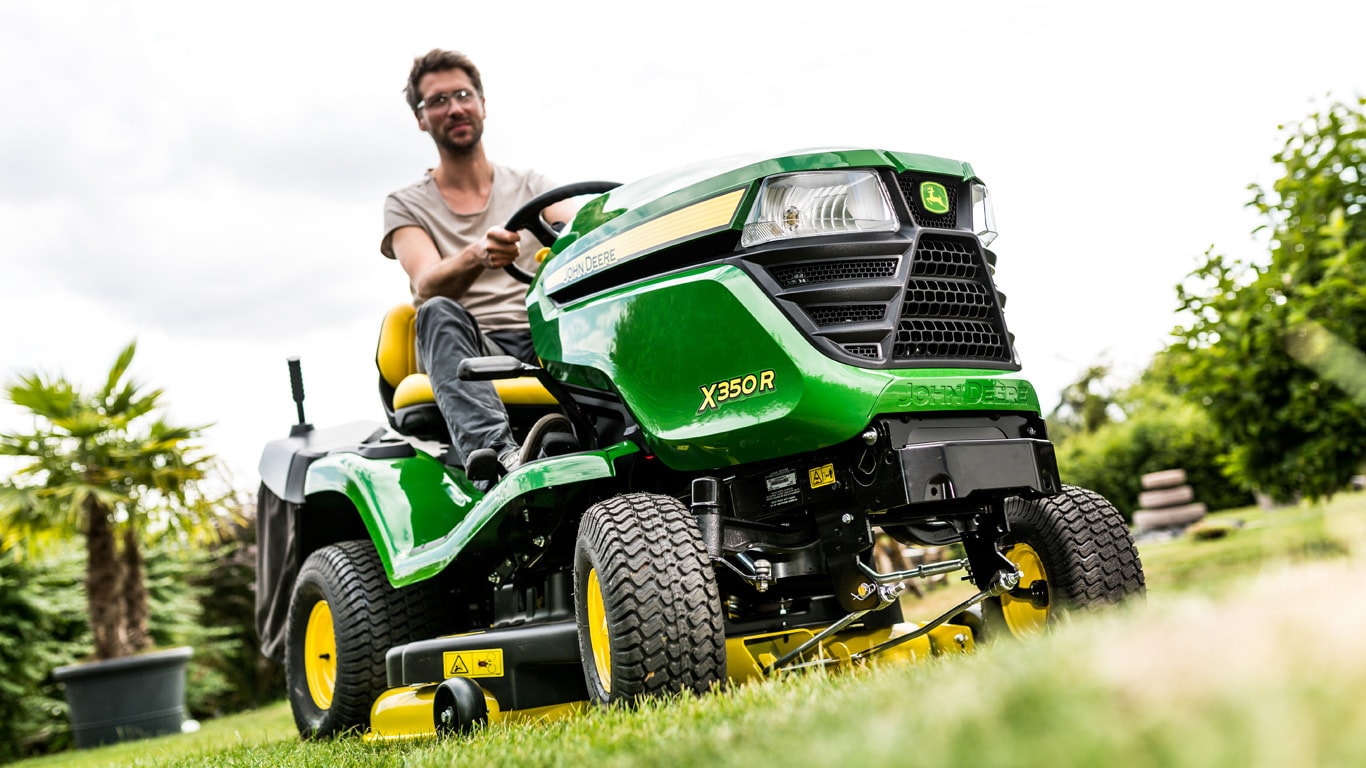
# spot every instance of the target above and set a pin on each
(123, 699)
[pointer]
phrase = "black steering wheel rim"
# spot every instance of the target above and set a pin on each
(529, 216)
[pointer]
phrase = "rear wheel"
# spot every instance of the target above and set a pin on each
(649, 614)
(343, 617)
(1075, 553)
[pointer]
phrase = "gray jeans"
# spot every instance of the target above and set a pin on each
(446, 334)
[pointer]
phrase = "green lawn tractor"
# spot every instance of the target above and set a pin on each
(750, 371)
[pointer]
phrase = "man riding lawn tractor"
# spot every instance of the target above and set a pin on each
(742, 369)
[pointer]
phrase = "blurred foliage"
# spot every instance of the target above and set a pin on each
(42, 626)
(200, 597)
(1085, 404)
(1272, 351)
(229, 601)
(1156, 430)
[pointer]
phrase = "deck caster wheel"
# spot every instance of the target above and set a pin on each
(458, 707)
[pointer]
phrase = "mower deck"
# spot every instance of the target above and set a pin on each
(517, 677)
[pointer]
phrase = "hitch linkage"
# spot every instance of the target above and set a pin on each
(1001, 582)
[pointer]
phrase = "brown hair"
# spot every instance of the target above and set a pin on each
(437, 60)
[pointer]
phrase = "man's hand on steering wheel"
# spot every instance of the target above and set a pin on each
(499, 248)
(529, 216)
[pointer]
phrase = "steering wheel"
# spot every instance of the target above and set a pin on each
(530, 218)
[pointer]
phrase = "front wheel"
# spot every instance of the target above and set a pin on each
(343, 617)
(648, 609)
(1075, 554)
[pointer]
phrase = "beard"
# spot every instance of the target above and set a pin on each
(459, 148)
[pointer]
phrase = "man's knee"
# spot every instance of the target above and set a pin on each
(442, 313)
(440, 308)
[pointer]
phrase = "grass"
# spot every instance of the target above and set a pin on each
(1246, 654)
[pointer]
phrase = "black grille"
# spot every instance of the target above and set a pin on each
(946, 298)
(933, 305)
(910, 188)
(946, 257)
(950, 311)
(948, 339)
(792, 275)
(846, 313)
(864, 350)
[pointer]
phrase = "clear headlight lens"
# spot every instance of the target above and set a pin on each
(818, 203)
(983, 220)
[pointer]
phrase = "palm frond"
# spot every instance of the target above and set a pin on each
(121, 364)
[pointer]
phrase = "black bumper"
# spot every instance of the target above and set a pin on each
(977, 470)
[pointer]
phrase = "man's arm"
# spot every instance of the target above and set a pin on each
(432, 275)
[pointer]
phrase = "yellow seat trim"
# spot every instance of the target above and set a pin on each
(415, 389)
(396, 355)
(526, 390)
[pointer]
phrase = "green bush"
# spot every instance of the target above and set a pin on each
(42, 626)
(1112, 459)
(229, 580)
(198, 597)
(206, 599)
(177, 601)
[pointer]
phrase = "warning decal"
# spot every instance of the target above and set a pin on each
(822, 476)
(473, 663)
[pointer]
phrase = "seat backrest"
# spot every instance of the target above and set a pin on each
(406, 393)
(396, 355)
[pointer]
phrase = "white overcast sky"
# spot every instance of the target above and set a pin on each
(208, 177)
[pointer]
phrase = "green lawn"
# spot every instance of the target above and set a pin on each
(1246, 653)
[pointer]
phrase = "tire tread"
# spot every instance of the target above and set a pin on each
(660, 593)
(370, 616)
(1083, 533)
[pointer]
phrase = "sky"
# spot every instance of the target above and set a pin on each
(208, 178)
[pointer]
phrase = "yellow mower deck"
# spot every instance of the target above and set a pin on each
(408, 711)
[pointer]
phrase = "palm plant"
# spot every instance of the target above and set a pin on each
(107, 466)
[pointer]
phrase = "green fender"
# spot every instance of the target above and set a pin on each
(421, 514)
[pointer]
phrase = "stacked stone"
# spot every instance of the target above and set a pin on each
(1166, 502)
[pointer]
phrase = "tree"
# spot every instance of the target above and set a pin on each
(1269, 348)
(1155, 430)
(106, 466)
(1085, 404)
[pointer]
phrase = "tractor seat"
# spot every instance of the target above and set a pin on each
(406, 392)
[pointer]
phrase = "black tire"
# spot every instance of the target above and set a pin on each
(657, 626)
(346, 583)
(1080, 545)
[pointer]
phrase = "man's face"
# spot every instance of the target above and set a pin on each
(455, 127)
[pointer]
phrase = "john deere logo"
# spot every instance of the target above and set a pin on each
(934, 197)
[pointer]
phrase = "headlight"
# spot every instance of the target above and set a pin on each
(983, 220)
(818, 203)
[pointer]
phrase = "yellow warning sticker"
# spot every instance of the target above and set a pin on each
(823, 476)
(473, 663)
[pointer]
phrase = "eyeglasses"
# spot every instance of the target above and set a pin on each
(438, 102)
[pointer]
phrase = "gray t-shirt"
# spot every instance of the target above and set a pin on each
(496, 299)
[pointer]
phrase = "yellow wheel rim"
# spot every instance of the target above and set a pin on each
(1021, 615)
(320, 655)
(597, 631)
